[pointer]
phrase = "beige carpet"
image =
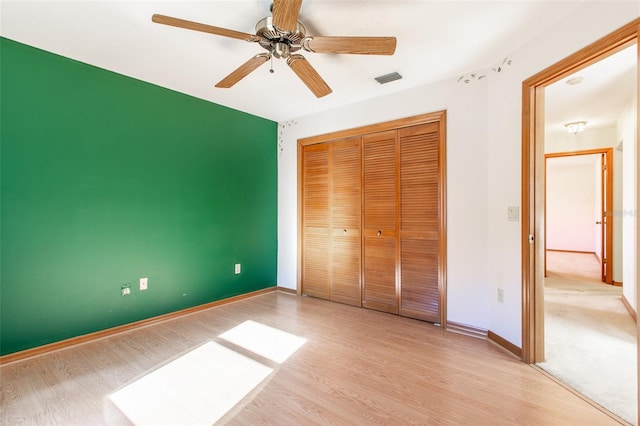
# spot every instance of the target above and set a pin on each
(590, 338)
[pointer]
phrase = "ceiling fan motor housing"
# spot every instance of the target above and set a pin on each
(280, 43)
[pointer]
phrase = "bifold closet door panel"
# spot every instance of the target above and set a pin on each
(420, 206)
(316, 235)
(420, 296)
(379, 290)
(346, 213)
(380, 221)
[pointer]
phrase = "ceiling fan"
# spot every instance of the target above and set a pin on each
(282, 35)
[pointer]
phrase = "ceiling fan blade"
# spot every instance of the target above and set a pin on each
(243, 70)
(308, 75)
(195, 26)
(285, 14)
(351, 45)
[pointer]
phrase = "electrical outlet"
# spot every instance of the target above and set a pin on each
(144, 283)
(125, 289)
(500, 295)
(237, 268)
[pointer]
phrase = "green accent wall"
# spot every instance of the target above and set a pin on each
(106, 179)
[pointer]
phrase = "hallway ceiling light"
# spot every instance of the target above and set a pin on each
(576, 126)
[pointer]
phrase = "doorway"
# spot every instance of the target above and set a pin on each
(533, 224)
(579, 189)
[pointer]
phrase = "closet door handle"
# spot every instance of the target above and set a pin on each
(379, 233)
(344, 231)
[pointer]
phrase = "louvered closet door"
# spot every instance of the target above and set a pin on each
(420, 222)
(346, 196)
(315, 217)
(380, 222)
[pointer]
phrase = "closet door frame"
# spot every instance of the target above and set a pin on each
(433, 117)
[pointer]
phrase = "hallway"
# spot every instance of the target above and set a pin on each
(590, 337)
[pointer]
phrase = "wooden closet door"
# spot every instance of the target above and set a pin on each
(346, 200)
(420, 207)
(380, 222)
(315, 219)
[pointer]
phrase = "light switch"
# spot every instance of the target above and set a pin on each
(513, 213)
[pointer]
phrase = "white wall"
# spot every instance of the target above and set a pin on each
(483, 167)
(629, 212)
(572, 192)
(618, 258)
(591, 138)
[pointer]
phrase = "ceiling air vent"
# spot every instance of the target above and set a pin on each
(387, 78)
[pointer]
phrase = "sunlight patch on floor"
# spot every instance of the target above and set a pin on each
(196, 389)
(269, 342)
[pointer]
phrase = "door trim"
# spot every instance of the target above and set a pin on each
(532, 148)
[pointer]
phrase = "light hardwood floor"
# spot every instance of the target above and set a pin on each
(357, 367)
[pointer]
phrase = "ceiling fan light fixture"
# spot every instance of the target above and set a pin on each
(388, 78)
(576, 127)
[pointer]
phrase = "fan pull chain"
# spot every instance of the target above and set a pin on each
(271, 69)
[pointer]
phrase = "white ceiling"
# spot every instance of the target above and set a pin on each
(436, 40)
(599, 99)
